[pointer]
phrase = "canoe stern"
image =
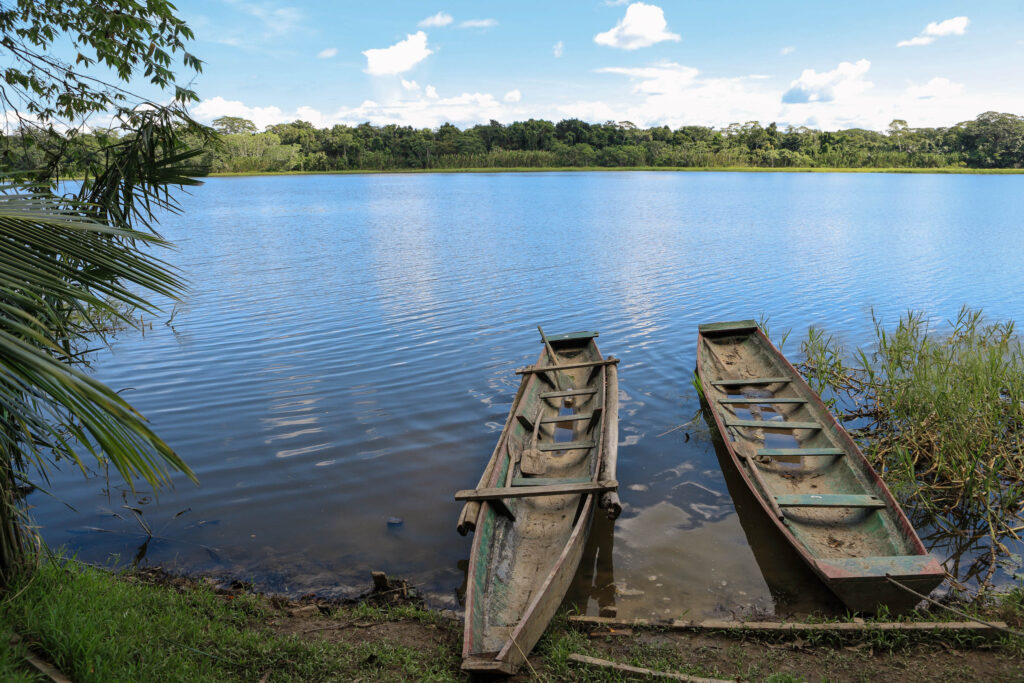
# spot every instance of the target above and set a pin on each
(863, 586)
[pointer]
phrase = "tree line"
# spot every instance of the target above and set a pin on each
(992, 140)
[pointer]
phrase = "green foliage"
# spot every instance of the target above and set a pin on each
(127, 37)
(69, 265)
(990, 141)
(946, 424)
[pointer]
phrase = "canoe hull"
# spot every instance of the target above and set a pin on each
(858, 579)
(526, 550)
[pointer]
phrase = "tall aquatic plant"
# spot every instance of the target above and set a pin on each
(943, 421)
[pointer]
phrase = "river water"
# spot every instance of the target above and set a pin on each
(345, 356)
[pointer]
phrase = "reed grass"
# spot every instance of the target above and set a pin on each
(941, 417)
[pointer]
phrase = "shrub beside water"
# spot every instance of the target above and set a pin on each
(941, 416)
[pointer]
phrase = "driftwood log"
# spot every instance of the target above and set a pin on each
(783, 626)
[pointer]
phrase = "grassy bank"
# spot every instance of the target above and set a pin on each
(581, 169)
(97, 626)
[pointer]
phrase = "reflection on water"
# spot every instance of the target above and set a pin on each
(346, 355)
(795, 589)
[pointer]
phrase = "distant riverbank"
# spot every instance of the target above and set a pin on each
(581, 169)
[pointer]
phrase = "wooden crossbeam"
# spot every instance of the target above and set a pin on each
(772, 424)
(531, 491)
(829, 500)
(791, 452)
(565, 394)
(567, 366)
(549, 481)
(770, 399)
(565, 446)
(750, 380)
(566, 418)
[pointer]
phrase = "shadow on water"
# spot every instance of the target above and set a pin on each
(794, 587)
(593, 589)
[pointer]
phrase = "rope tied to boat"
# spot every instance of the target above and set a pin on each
(995, 627)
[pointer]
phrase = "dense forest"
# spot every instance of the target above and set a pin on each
(992, 140)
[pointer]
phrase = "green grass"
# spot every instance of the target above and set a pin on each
(582, 169)
(94, 626)
(945, 413)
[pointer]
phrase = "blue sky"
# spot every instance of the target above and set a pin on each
(824, 64)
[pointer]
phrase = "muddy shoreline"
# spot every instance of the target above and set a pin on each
(394, 612)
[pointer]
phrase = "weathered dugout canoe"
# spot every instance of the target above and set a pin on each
(808, 474)
(531, 512)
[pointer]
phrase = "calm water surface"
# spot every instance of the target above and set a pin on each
(346, 355)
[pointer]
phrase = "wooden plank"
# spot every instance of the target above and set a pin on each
(609, 501)
(829, 500)
(551, 355)
(771, 424)
(525, 421)
(799, 452)
(548, 481)
(565, 394)
(770, 399)
(566, 418)
(731, 326)
(531, 491)
(641, 671)
(568, 366)
(751, 380)
(572, 336)
(565, 446)
(783, 626)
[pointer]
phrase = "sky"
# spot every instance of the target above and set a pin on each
(828, 65)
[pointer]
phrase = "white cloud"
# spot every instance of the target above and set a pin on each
(643, 26)
(277, 20)
(513, 96)
(843, 82)
(398, 58)
(673, 94)
(788, 50)
(559, 49)
(438, 20)
(950, 27)
(431, 92)
(411, 86)
(917, 40)
(956, 26)
(479, 23)
(327, 53)
(938, 87)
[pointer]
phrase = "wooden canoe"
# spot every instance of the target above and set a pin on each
(808, 474)
(531, 512)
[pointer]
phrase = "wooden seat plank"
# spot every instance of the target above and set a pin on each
(770, 399)
(566, 418)
(789, 452)
(829, 500)
(549, 481)
(565, 394)
(531, 491)
(772, 424)
(566, 366)
(565, 446)
(750, 380)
